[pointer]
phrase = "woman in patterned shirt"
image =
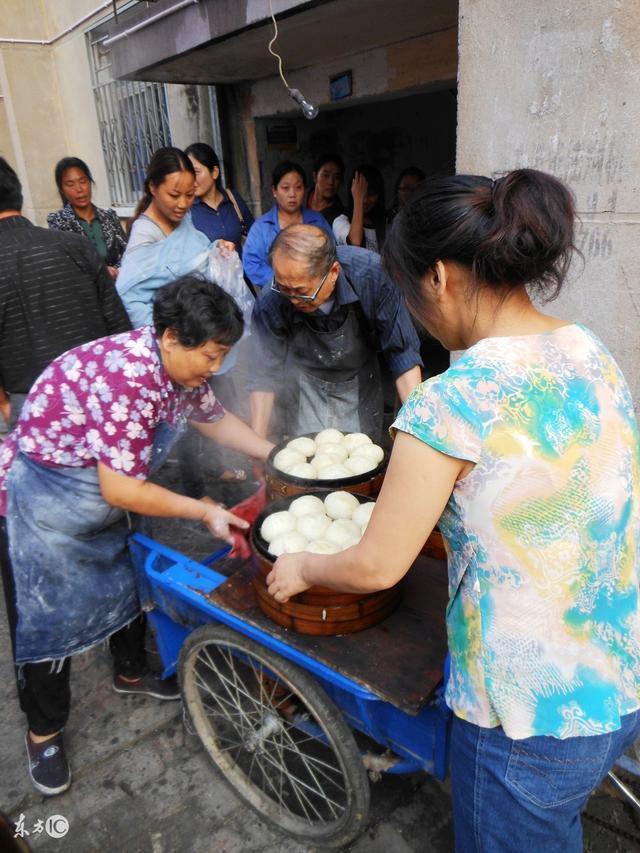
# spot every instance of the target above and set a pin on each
(95, 425)
(79, 214)
(526, 452)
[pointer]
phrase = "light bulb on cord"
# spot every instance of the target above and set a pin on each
(309, 110)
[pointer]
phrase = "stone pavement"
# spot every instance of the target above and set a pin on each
(141, 784)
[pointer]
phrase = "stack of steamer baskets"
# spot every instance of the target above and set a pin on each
(321, 464)
(329, 459)
(324, 523)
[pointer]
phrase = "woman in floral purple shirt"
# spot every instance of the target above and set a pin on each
(96, 423)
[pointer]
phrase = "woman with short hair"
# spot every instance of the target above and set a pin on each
(98, 421)
(78, 213)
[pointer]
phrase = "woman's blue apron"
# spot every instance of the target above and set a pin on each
(74, 579)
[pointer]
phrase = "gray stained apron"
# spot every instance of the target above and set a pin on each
(74, 579)
(336, 362)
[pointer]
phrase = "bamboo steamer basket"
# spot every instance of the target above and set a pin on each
(319, 610)
(282, 485)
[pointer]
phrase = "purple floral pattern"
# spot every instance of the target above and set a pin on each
(102, 402)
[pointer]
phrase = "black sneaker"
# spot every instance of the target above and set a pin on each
(48, 765)
(149, 685)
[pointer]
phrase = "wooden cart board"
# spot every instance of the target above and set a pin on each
(400, 659)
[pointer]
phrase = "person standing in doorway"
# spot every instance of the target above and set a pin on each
(364, 224)
(288, 188)
(328, 171)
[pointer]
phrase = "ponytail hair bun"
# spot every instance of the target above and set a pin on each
(510, 232)
(530, 236)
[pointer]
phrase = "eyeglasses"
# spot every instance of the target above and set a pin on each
(293, 294)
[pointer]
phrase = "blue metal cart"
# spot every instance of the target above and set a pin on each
(297, 724)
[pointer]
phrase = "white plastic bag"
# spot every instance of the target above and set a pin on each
(225, 269)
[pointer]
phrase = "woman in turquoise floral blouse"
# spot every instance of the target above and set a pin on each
(526, 452)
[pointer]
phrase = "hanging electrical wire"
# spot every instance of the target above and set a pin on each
(309, 110)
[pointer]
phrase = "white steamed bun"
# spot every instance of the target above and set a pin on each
(288, 543)
(313, 526)
(277, 524)
(343, 532)
(362, 514)
(329, 436)
(321, 546)
(305, 505)
(303, 444)
(355, 439)
(287, 458)
(334, 472)
(359, 465)
(304, 470)
(340, 504)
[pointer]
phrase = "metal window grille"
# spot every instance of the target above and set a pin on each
(134, 122)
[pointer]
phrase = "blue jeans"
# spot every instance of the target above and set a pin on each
(511, 796)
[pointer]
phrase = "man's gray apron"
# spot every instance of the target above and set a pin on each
(74, 580)
(338, 373)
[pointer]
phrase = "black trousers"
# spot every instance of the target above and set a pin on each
(44, 691)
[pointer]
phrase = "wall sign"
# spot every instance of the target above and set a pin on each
(341, 85)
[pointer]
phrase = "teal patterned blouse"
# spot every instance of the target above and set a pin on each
(542, 535)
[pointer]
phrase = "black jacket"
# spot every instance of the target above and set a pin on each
(65, 219)
(55, 294)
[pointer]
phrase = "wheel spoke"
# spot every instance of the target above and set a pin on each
(244, 720)
(318, 792)
(267, 779)
(233, 700)
(230, 686)
(317, 762)
(309, 769)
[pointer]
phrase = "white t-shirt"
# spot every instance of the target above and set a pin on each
(341, 226)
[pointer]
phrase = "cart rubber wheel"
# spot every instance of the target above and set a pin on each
(278, 739)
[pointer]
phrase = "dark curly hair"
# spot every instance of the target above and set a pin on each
(197, 311)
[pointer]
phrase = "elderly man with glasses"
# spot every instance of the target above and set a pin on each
(319, 329)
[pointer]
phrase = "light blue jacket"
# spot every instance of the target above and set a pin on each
(147, 267)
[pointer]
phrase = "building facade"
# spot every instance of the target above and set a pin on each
(59, 97)
(438, 84)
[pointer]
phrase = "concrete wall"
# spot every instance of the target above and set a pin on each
(48, 109)
(383, 78)
(189, 114)
(571, 107)
(412, 65)
(47, 94)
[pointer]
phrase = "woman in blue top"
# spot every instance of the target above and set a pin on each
(288, 187)
(217, 212)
